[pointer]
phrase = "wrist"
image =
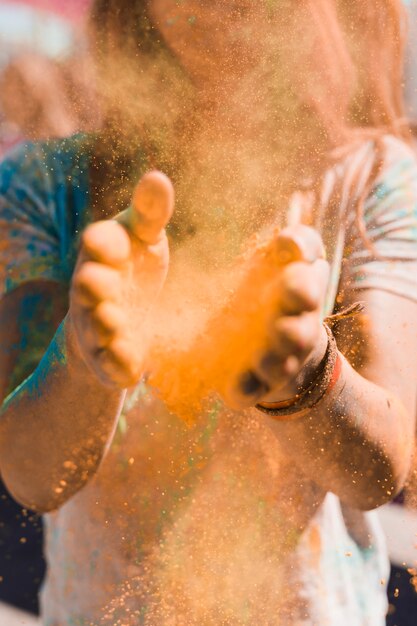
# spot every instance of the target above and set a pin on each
(326, 378)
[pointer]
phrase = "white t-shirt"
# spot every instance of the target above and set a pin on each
(209, 524)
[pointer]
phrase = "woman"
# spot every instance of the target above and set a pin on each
(250, 108)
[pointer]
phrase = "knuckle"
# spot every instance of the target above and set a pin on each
(83, 274)
(297, 334)
(310, 296)
(106, 241)
(292, 272)
(300, 290)
(90, 235)
(77, 281)
(102, 334)
(286, 326)
(111, 366)
(108, 315)
(86, 234)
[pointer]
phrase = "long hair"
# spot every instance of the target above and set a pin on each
(133, 66)
(356, 41)
(341, 60)
(376, 33)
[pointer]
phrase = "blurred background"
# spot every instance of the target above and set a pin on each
(46, 86)
(47, 90)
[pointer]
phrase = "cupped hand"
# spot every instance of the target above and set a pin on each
(121, 269)
(297, 339)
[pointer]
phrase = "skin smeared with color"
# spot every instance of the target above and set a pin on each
(115, 362)
(218, 360)
(217, 503)
(107, 298)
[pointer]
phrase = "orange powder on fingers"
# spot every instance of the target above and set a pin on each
(225, 347)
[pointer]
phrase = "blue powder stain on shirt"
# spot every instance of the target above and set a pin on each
(21, 194)
(381, 191)
(6, 178)
(42, 209)
(34, 385)
(61, 214)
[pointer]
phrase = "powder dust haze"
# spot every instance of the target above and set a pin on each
(235, 155)
(217, 506)
(230, 517)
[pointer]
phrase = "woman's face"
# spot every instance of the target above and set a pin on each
(213, 39)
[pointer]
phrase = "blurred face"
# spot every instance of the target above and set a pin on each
(215, 40)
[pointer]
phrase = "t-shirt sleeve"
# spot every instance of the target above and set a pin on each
(387, 258)
(29, 242)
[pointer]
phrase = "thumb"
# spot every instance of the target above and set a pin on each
(299, 243)
(152, 207)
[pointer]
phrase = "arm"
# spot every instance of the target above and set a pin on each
(55, 426)
(50, 441)
(358, 441)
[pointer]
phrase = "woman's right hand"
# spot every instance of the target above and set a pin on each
(120, 271)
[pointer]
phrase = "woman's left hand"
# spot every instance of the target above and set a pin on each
(297, 339)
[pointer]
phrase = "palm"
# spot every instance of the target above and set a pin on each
(121, 269)
(142, 280)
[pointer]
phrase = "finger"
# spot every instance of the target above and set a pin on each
(296, 336)
(274, 371)
(152, 207)
(302, 287)
(109, 316)
(87, 338)
(299, 243)
(95, 282)
(108, 319)
(118, 363)
(106, 242)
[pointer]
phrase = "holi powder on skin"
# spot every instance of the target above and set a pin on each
(185, 378)
(213, 563)
(227, 190)
(212, 502)
(213, 493)
(210, 508)
(186, 370)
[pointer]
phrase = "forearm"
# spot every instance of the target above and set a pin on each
(55, 427)
(355, 442)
